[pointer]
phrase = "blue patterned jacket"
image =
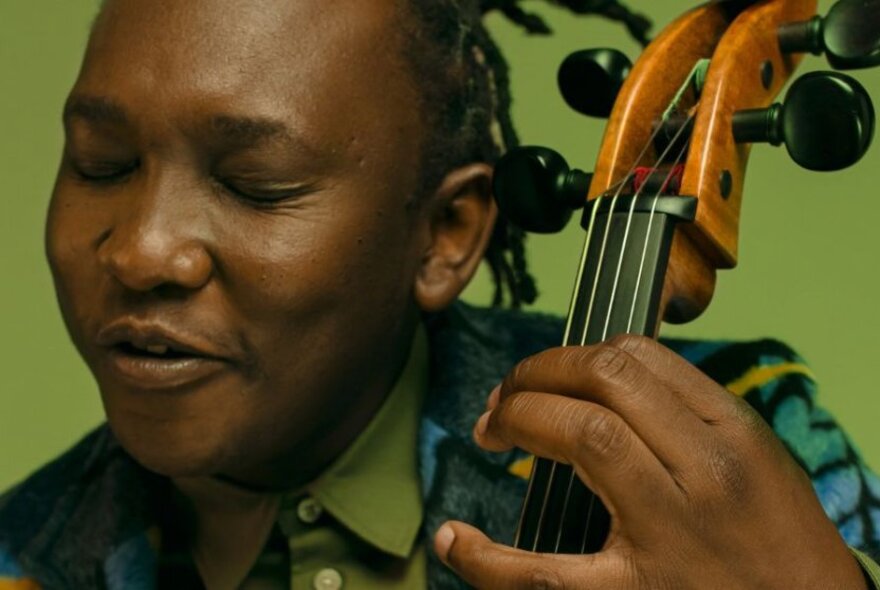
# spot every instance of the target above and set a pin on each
(87, 520)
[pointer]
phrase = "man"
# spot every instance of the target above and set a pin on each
(258, 205)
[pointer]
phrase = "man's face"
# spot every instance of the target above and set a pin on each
(230, 234)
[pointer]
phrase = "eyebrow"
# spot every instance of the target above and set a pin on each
(249, 129)
(234, 129)
(94, 109)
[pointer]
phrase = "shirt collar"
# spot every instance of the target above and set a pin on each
(373, 488)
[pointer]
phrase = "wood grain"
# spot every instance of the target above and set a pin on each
(734, 83)
(741, 46)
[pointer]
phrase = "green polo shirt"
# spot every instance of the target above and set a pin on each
(356, 526)
(870, 568)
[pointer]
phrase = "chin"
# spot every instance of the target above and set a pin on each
(171, 450)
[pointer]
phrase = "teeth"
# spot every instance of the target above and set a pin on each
(157, 349)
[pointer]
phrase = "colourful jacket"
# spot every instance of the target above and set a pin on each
(87, 520)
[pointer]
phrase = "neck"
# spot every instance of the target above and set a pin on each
(349, 414)
(302, 464)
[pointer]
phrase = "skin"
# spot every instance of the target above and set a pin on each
(737, 511)
(231, 173)
(301, 258)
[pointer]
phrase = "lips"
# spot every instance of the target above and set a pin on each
(152, 356)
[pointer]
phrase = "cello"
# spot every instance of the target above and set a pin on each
(662, 208)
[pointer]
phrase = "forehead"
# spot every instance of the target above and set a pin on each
(195, 35)
(327, 65)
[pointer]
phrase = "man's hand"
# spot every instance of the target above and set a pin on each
(700, 491)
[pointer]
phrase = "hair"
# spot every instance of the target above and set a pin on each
(465, 83)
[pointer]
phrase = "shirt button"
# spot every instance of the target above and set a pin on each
(327, 579)
(309, 510)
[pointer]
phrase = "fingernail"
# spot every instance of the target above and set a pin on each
(443, 541)
(483, 424)
(494, 398)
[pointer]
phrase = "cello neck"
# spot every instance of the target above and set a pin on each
(619, 290)
(625, 260)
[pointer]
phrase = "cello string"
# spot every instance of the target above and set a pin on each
(676, 100)
(632, 309)
(620, 187)
(568, 326)
(668, 177)
(630, 217)
(571, 477)
(554, 465)
(629, 220)
(583, 265)
(611, 209)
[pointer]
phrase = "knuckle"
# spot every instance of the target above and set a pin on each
(728, 475)
(511, 382)
(609, 363)
(604, 434)
(518, 404)
(522, 372)
(633, 344)
(656, 579)
(570, 357)
(631, 570)
(751, 423)
(540, 578)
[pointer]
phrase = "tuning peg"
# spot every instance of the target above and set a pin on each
(849, 36)
(536, 189)
(591, 79)
(826, 122)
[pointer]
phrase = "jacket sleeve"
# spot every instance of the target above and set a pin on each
(780, 386)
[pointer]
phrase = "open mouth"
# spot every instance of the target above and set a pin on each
(161, 366)
(149, 356)
(154, 351)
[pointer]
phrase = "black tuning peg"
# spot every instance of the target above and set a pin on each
(536, 189)
(826, 122)
(591, 79)
(849, 36)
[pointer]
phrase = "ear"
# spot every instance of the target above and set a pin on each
(461, 214)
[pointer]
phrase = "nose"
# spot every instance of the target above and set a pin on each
(155, 242)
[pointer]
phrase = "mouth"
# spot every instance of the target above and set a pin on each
(150, 357)
(155, 351)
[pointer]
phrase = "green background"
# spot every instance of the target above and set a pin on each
(807, 270)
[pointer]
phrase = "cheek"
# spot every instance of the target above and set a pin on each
(296, 268)
(321, 300)
(73, 226)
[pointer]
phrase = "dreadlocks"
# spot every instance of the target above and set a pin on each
(466, 97)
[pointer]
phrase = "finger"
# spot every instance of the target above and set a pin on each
(493, 399)
(601, 447)
(611, 377)
(728, 414)
(706, 398)
(487, 565)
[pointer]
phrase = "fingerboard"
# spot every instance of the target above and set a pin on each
(619, 292)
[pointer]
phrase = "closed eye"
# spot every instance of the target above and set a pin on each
(266, 194)
(103, 171)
